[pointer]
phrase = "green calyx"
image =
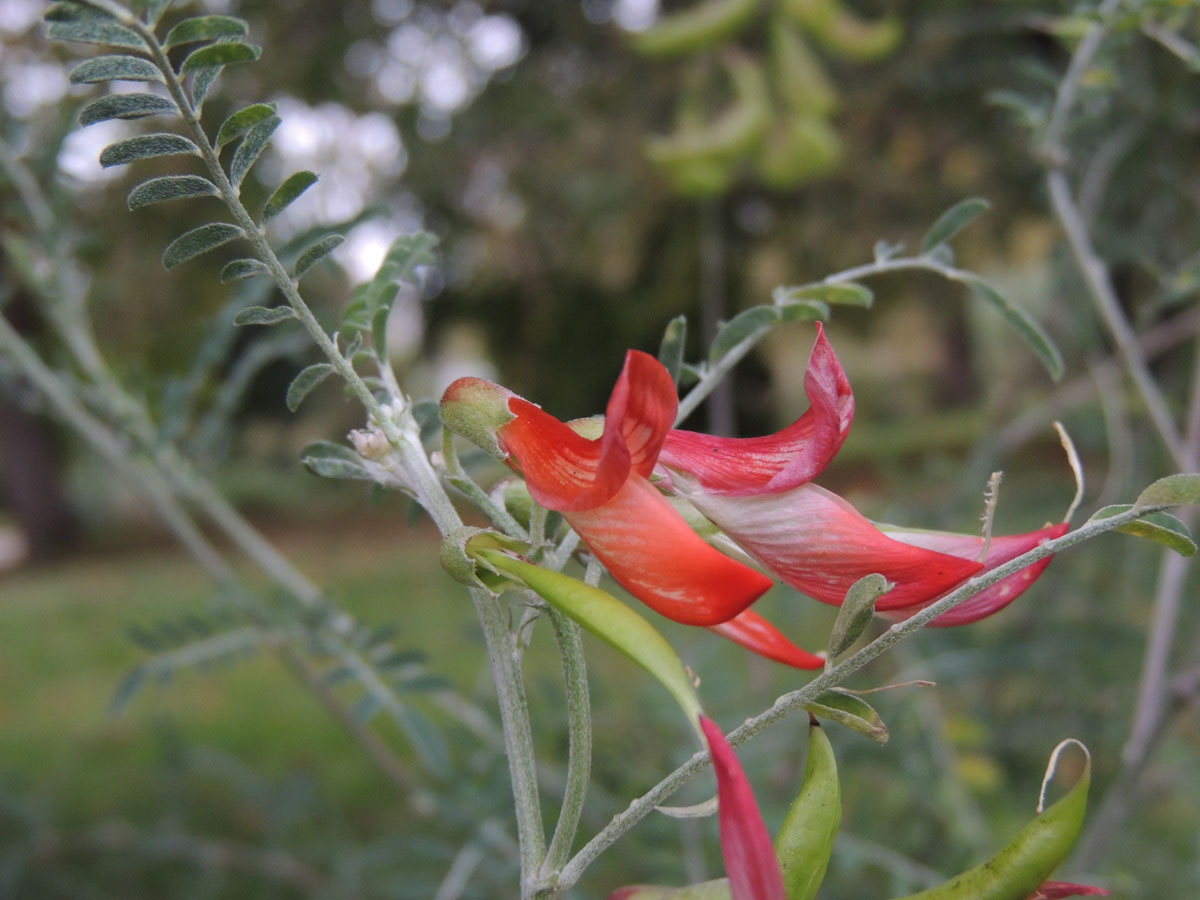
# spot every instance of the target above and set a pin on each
(477, 409)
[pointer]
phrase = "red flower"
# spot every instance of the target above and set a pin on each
(1053, 890)
(758, 491)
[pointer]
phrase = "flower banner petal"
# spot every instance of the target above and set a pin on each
(821, 545)
(651, 551)
(778, 462)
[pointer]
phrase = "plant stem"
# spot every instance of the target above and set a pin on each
(831, 677)
(579, 747)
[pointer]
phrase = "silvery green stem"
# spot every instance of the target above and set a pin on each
(831, 677)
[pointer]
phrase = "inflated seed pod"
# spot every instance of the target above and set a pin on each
(1017, 871)
(843, 32)
(805, 841)
(702, 159)
(796, 74)
(797, 149)
(695, 28)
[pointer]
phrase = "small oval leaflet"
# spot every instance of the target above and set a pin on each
(251, 148)
(170, 187)
(287, 193)
(237, 269)
(262, 315)
(115, 68)
(1173, 490)
(241, 121)
(205, 28)
(747, 324)
(199, 240)
(954, 220)
(219, 55)
(330, 460)
(670, 351)
(1160, 527)
(307, 379)
(851, 711)
(856, 612)
(1024, 324)
(71, 22)
(126, 106)
(846, 293)
(315, 253)
(146, 146)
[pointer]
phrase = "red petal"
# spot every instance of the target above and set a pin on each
(565, 471)
(643, 405)
(653, 553)
(755, 633)
(781, 461)
(1001, 550)
(1053, 890)
(750, 860)
(820, 544)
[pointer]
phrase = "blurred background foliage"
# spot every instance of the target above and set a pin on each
(517, 131)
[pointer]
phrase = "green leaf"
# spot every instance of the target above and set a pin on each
(286, 194)
(202, 83)
(315, 253)
(262, 315)
(126, 106)
(1174, 490)
(72, 22)
(241, 122)
(206, 28)
(749, 323)
(1161, 527)
(851, 711)
(219, 55)
(251, 148)
(308, 378)
(600, 613)
(237, 269)
(170, 187)
(954, 220)
(670, 351)
(115, 68)
(330, 460)
(199, 240)
(803, 311)
(146, 146)
(847, 293)
(856, 612)
(1024, 324)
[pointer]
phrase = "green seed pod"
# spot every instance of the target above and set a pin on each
(702, 160)
(805, 841)
(797, 75)
(693, 29)
(1017, 870)
(796, 150)
(843, 32)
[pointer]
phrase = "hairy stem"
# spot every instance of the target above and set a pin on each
(788, 703)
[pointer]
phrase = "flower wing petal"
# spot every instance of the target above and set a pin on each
(778, 462)
(1053, 890)
(651, 551)
(820, 544)
(750, 860)
(755, 633)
